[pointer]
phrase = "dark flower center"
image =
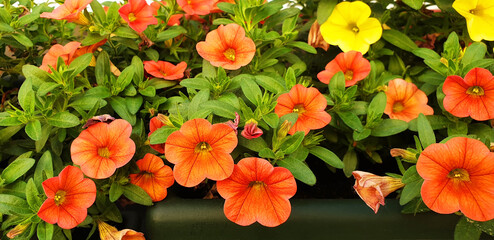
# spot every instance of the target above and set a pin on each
(59, 197)
(355, 29)
(398, 107)
(203, 147)
(257, 184)
(349, 75)
(459, 174)
(475, 91)
(299, 108)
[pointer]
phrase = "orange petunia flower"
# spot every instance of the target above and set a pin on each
(89, 49)
(200, 150)
(154, 124)
(165, 70)
(309, 103)
(102, 148)
(352, 64)
(108, 232)
(155, 177)
(69, 196)
(458, 176)
(257, 191)
(66, 52)
(227, 47)
(138, 14)
(71, 11)
(470, 97)
(373, 189)
(196, 7)
(405, 101)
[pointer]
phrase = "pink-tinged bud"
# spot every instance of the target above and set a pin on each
(315, 38)
(405, 154)
(17, 230)
(373, 189)
(106, 118)
(251, 130)
(108, 232)
(234, 124)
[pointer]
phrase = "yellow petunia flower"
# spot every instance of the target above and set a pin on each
(480, 18)
(351, 28)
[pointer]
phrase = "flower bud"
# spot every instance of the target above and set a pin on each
(315, 38)
(234, 124)
(108, 232)
(17, 230)
(284, 128)
(251, 130)
(405, 154)
(164, 119)
(372, 189)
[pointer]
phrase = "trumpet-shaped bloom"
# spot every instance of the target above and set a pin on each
(373, 189)
(200, 150)
(315, 38)
(71, 11)
(69, 196)
(138, 14)
(257, 191)
(309, 103)
(155, 177)
(479, 15)
(227, 47)
(165, 70)
(350, 27)
(196, 7)
(405, 101)
(472, 96)
(66, 52)
(458, 176)
(352, 64)
(102, 148)
(108, 232)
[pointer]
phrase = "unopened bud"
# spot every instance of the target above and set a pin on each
(405, 154)
(17, 230)
(284, 128)
(164, 119)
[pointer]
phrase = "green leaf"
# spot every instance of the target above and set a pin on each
(138, 69)
(44, 167)
(119, 105)
(426, 134)
(426, 53)
(208, 70)
(45, 231)
(337, 84)
(271, 119)
(137, 195)
(10, 204)
(299, 170)
(34, 74)
(466, 230)
(4, 27)
(170, 33)
(26, 19)
(487, 226)
(22, 39)
(124, 79)
(152, 54)
(47, 87)
(351, 120)
(98, 12)
(256, 144)
(16, 169)
(220, 108)
(291, 143)
(196, 83)
(116, 190)
(125, 32)
(98, 92)
(324, 10)
(350, 162)
(270, 84)
(413, 183)
(26, 96)
(102, 70)
(376, 107)
(327, 156)
(32, 197)
(415, 4)
(133, 104)
(250, 89)
(8, 132)
(452, 48)
(195, 103)
(149, 91)
(436, 121)
(304, 46)
(80, 63)
(161, 134)
(290, 78)
(267, 153)
(113, 213)
(7, 120)
(33, 129)
(389, 127)
(45, 134)
(399, 39)
(63, 120)
(474, 52)
(359, 136)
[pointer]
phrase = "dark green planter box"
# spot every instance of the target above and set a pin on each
(182, 219)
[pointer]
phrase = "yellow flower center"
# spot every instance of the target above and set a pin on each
(299, 108)
(355, 29)
(203, 147)
(163, 73)
(398, 107)
(257, 184)
(60, 197)
(104, 152)
(349, 75)
(459, 174)
(132, 17)
(475, 91)
(230, 54)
